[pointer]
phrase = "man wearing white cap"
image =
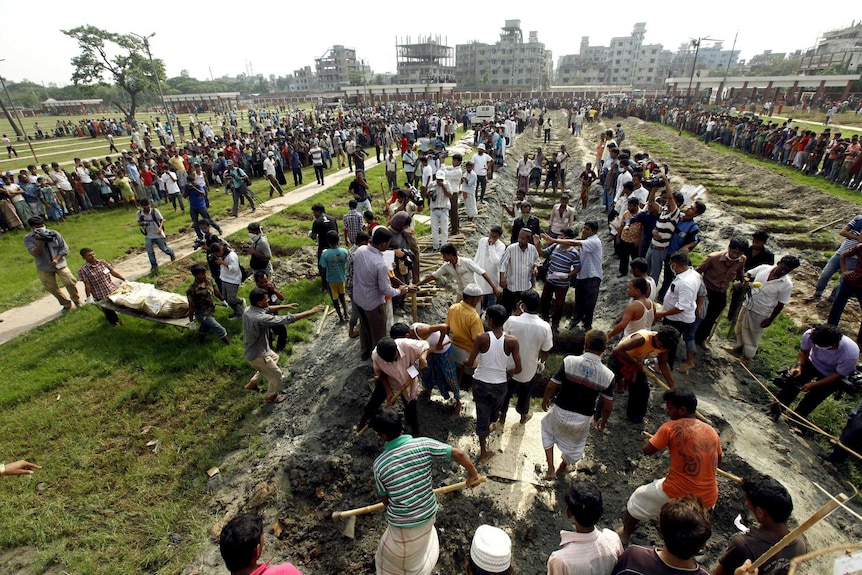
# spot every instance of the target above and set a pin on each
(490, 552)
(402, 475)
(439, 200)
(480, 165)
(269, 174)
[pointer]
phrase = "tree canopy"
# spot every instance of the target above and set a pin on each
(119, 58)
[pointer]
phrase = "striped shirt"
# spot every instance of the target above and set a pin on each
(517, 266)
(591, 258)
(665, 227)
(561, 263)
(403, 474)
(855, 225)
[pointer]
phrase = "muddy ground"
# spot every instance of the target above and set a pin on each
(313, 466)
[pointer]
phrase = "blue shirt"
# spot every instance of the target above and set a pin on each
(334, 260)
(591, 258)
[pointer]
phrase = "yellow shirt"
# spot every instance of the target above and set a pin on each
(177, 163)
(464, 325)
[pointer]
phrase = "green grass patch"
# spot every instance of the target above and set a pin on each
(795, 175)
(78, 395)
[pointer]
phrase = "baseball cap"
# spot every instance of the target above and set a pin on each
(440, 175)
(481, 146)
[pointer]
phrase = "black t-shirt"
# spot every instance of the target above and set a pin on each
(321, 227)
(358, 190)
(764, 257)
(582, 379)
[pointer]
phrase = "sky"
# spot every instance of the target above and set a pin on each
(278, 37)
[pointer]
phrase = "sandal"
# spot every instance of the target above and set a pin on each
(278, 398)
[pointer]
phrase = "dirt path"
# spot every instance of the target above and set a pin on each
(24, 318)
(312, 465)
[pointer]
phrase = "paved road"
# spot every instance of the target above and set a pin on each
(22, 319)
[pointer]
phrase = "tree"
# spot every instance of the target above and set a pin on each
(356, 77)
(120, 57)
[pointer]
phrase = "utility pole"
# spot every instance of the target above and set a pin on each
(696, 43)
(729, 60)
(146, 40)
(18, 115)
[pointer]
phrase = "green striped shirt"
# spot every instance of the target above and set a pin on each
(403, 474)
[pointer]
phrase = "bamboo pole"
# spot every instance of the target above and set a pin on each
(821, 513)
(834, 440)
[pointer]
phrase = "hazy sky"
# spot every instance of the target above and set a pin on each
(279, 37)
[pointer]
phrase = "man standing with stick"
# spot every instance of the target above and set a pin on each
(695, 453)
(402, 475)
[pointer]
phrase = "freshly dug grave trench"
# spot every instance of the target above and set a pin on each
(312, 465)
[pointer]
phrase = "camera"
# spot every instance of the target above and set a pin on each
(199, 243)
(244, 247)
(655, 181)
(46, 236)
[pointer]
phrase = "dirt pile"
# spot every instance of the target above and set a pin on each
(312, 465)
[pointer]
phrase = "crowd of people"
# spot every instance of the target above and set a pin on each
(509, 304)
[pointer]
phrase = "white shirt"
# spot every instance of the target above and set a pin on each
(470, 181)
(764, 299)
(682, 295)
(427, 176)
(269, 167)
(169, 179)
(463, 272)
(231, 274)
(525, 167)
(480, 164)
(517, 265)
(488, 257)
(453, 178)
(534, 335)
(558, 223)
(84, 174)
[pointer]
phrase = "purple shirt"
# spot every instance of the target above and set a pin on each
(371, 283)
(841, 360)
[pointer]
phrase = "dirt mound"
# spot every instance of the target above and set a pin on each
(312, 465)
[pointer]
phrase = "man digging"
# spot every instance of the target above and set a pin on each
(402, 475)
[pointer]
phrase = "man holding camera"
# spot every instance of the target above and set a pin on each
(49, 251)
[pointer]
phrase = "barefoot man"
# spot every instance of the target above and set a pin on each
(490, 380)
(574, 389)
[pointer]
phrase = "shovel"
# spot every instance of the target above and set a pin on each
(389, 403)
(349, 525)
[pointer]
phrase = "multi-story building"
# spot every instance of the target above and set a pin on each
(710, 57)
(303, 80)
(837, 51)
(627, 61)
(511, 62)
(334, 67)
(425, 61)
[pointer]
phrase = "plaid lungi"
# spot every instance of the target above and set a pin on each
(441, 373)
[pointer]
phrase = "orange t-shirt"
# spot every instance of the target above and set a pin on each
(694, 449)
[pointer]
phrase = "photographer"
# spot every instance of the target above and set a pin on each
(825, 357)
(49, 251)
(152, 225)
(205, 245)
(258, 249)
